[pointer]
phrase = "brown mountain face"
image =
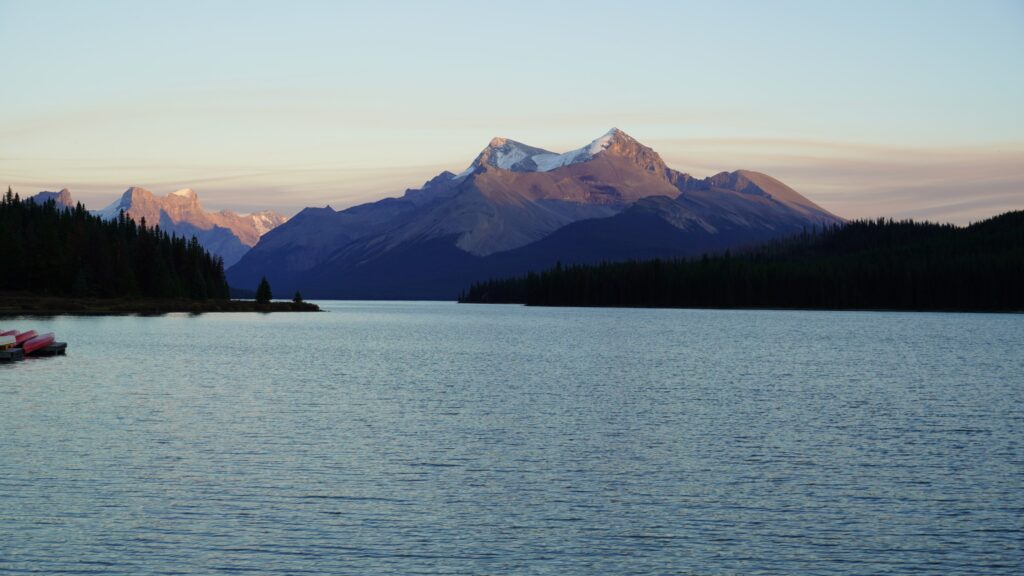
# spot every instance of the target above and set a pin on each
(183, 206)
(493, 208)
(623, 145)
(249, 227)
(518, 208)
(749, 199)
(606, 179)
(224, 233)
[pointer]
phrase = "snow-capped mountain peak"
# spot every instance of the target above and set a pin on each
(518, 208)
(550, 162)
(506, 154)
(602, 143)
(509, 155)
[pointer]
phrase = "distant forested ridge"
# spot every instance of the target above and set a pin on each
(869, 264)
(48, 250)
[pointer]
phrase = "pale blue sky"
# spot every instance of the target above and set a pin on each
(869, 108)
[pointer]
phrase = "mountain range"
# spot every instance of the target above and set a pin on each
(225, 233)
(518, 208)
(63, 198)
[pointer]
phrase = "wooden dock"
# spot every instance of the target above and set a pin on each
(15, 354)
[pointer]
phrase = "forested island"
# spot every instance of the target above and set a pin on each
(66, 260)
(866, 264)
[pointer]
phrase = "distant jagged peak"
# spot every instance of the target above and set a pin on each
(141, 202)
(62, 198)
(63, 193)
(129, 198)
(134, 192)
(184, 193)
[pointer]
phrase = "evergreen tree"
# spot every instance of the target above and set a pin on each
(263, 292)
(197, 291)
(297, 298)
(50, 250)
(872, 264)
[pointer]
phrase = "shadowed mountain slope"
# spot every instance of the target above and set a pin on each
(518, 208)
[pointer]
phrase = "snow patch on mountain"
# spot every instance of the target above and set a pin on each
(549, 162)
(112, 210)
(265, 221)
(507, 153)
(465, 172)
(511, 155)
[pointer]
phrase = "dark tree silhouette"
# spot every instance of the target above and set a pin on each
(297, 298)
(879, 264)
(56, 251)
(263, 292)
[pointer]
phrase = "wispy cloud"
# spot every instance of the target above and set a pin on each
(239, 188)
(957, 184)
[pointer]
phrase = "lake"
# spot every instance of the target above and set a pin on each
(436, 438)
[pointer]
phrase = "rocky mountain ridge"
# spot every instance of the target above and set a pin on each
(517, 208)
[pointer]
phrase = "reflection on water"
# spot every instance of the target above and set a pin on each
(437, 438)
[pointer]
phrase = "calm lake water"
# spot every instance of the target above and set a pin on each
(436, 438)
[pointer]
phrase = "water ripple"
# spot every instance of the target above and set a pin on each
(426, 438)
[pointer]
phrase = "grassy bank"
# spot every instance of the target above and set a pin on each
(28, 305)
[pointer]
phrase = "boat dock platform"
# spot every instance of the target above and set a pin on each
(15, 354)
(12, 354)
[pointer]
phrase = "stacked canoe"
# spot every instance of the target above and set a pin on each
(15, 345)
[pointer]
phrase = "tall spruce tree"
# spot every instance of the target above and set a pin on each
(263, 292)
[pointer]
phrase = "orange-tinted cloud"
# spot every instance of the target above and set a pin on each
(956, 184)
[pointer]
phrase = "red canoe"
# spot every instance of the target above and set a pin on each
(41, 341)
(24, 337)
(9, 333)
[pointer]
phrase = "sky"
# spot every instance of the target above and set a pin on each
(896, 108)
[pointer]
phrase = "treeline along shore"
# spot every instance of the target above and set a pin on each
(867, 264)
(21, 304)
(67, 260)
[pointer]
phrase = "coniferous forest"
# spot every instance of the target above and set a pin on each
(867, 264)
(52, 251)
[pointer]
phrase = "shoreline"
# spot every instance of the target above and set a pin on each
(24, 305)
(759, 308)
